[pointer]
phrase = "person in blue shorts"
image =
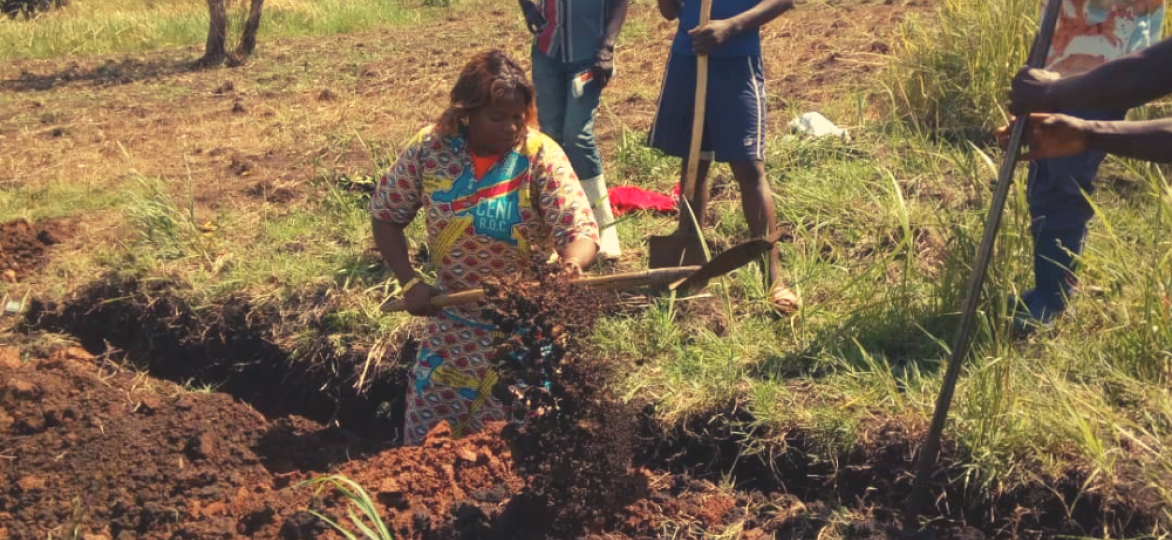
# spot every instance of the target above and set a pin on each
(734, 123)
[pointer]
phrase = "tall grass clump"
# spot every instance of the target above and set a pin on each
(951, 73)
(170, 230)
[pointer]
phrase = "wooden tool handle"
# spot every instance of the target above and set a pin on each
(611, 282)
(689, 188)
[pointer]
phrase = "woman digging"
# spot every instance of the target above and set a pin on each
(492, 188)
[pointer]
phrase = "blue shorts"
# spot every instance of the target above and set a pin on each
(734, 124)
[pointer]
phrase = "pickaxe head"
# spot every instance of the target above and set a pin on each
(731, 259)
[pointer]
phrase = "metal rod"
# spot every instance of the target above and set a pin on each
(960, 346)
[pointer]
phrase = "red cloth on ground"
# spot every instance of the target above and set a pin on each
(625, 199)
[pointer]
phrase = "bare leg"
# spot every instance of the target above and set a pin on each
(757, 203)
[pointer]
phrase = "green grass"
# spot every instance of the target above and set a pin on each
(91, 27)
(268, 254)
(882, 301)
(1081, 397)
(953, 71)
(57, 199)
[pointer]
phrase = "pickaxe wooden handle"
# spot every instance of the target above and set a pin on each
(685, 277)
(698, 110)
(660, 276)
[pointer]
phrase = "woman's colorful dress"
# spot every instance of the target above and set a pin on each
(475, 228)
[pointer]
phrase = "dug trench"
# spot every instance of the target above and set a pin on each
(232, 346)
(91, 448)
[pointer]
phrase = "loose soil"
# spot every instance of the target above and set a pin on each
(24, 247)
(577, 443)
(238, 347)
(96, 448)
(91, 449)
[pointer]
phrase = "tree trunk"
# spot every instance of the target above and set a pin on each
(251, 26)
(215, 52)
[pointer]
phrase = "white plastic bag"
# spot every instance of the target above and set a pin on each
(813, 124)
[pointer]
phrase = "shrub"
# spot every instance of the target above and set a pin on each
(952, 76)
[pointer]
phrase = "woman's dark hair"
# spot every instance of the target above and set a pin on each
(488, 76)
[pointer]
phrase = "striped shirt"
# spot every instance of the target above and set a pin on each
(575, 29)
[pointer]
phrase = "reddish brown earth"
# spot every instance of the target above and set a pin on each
(90, 448)
(94, 450)
(24, 247)
(100, 450)
(123, 456)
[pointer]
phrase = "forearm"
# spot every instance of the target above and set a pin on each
(392, 245)
(1148, 141)
(670, 9)
(580, 251)
(1125, 83)
(760, 15)
(618, 15)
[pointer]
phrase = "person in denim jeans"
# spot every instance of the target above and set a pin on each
(575, 39)
(1088, 35)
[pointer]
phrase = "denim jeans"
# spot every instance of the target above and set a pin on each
(568, 120)
(1057, 193)
(1056, 186)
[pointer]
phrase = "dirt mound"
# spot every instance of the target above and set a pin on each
(108, 452)
(24, 247)
(443, 488)
(577, 445)
(116, 454)
(471, 489)
(119, 454)
(91, 449)
(100, 450)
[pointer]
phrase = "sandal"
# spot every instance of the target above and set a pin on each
(784, 300)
